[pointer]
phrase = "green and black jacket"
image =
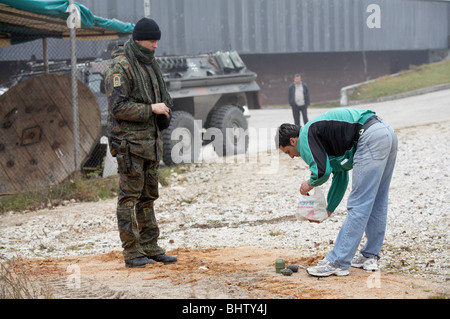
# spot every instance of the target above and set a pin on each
(327, 144)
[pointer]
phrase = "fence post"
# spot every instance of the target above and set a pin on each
(72, 26)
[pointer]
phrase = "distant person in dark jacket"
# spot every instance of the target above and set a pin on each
(299, 99)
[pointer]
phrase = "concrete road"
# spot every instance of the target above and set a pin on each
(411, 111)
(416, 110)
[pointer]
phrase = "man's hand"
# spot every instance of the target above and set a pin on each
(305, 188)
(160, 108)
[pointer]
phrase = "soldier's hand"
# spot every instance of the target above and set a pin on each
(160, 108)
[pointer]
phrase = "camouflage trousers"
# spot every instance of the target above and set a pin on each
(138, 190)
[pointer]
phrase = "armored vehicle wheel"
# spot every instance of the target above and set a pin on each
(231, 122)
(182, 140)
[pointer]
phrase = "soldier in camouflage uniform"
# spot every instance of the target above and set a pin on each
(139, 108)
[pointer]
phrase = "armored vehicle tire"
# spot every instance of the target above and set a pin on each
(233, 138)
(182, 140)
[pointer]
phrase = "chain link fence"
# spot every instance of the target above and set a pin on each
(41, 143)
(36, 115)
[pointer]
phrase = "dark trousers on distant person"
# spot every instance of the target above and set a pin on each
(296, 112)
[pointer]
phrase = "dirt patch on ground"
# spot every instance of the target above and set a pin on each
(218, 273)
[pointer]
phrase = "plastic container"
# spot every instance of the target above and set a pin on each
(312, 207)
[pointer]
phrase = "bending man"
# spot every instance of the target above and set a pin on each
(336, 142)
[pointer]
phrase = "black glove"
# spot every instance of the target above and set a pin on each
(163, 121)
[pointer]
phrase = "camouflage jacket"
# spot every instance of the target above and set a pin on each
(129, 118)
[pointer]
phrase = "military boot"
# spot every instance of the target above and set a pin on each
(138, 262)
(166, 259)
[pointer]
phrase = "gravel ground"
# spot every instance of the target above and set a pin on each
(251, 203)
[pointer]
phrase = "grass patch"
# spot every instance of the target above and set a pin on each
(78, 187)
(166, 172)
(276, 233)
(417, 77)
(16, 284)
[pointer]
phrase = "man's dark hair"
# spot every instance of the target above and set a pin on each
(285, 132)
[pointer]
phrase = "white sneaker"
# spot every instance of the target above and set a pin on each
(324, 269)
(366, 263)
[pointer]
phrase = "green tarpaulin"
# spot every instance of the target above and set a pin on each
(26, 20)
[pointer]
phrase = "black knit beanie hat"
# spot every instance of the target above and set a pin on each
(146, 29)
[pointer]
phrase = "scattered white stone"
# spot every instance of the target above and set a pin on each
(245, 204)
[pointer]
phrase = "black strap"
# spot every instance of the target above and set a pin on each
(370, 121)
